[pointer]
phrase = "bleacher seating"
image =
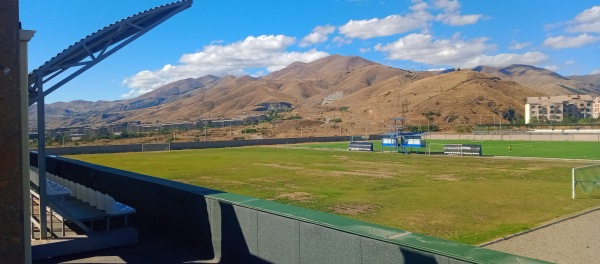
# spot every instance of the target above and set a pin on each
(79, 203)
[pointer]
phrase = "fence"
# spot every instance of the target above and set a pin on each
(241, 143)
(193, 145)
(524, 137)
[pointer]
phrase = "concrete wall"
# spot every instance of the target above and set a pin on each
(526, 137)
(195, 145)
(241, 229)
(277, 141)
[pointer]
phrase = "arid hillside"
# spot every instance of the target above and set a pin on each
(347, 91)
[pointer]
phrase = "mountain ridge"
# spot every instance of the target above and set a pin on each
(319, 89)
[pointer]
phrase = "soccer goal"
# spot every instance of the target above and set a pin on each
(435, 148)
(586, 180)
(156, 147)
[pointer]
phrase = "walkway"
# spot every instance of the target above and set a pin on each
(575, 240)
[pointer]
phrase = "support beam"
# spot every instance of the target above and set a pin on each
(89, 51)
(13, 242)
(24, 38)
(41, 127)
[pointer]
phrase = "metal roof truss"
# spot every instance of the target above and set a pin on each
(86, 53)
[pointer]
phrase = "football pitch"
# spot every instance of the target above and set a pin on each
(465, 199)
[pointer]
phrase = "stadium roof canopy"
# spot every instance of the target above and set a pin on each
(92, 49)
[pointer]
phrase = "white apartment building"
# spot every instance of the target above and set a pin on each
(596, 108)
(555, 108)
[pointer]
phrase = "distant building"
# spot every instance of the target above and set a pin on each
(596, 108)
(277, 107)
(556, 108)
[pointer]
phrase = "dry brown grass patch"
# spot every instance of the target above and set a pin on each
(446, 177)
(302, 197)
(353, 209)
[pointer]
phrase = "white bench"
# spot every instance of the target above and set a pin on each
(81, 204)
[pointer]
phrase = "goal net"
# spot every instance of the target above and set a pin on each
(156, 147)
(436, 148)
(586, 181)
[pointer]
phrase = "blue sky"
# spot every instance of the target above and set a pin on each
(258, 37)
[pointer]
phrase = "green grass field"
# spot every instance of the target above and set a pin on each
(465, 199)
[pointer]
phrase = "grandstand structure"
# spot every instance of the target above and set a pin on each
(77, 59)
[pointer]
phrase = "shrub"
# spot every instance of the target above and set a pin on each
(249, 131)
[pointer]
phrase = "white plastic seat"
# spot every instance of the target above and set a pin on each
(81, 192)
(62, 181)
(100, 201)
(116, 208)
(34, 176)
(71, 185)
(53, 188)
(91, 193)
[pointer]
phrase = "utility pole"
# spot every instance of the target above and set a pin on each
(15, 242)
(206, 131)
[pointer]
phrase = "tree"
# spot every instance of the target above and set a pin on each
(430, 115)
(509, 115)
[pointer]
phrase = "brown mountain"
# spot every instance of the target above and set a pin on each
(368, 92)
(593, 79)
(541, 80)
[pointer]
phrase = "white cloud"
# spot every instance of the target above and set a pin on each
(562, 42)
(318, 35)
(596, 71)
(551, 67)
(586, 21)
(391, 25)
(423, 48)
(436, 69)
(458, 20)
(340, 41)
(589, 15)
(529, 58)
(569, 62)
(451, 15)
(419, 6)
(364, 50)
(266, 51)
(420, 17)
(454, 52)
(519, 45)
(450, 6)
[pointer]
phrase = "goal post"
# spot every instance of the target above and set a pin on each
(434, 148)
(585, 179)
(156, 147)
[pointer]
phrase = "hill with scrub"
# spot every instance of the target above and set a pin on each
(345, 90)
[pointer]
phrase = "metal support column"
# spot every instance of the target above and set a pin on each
(42, 157)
